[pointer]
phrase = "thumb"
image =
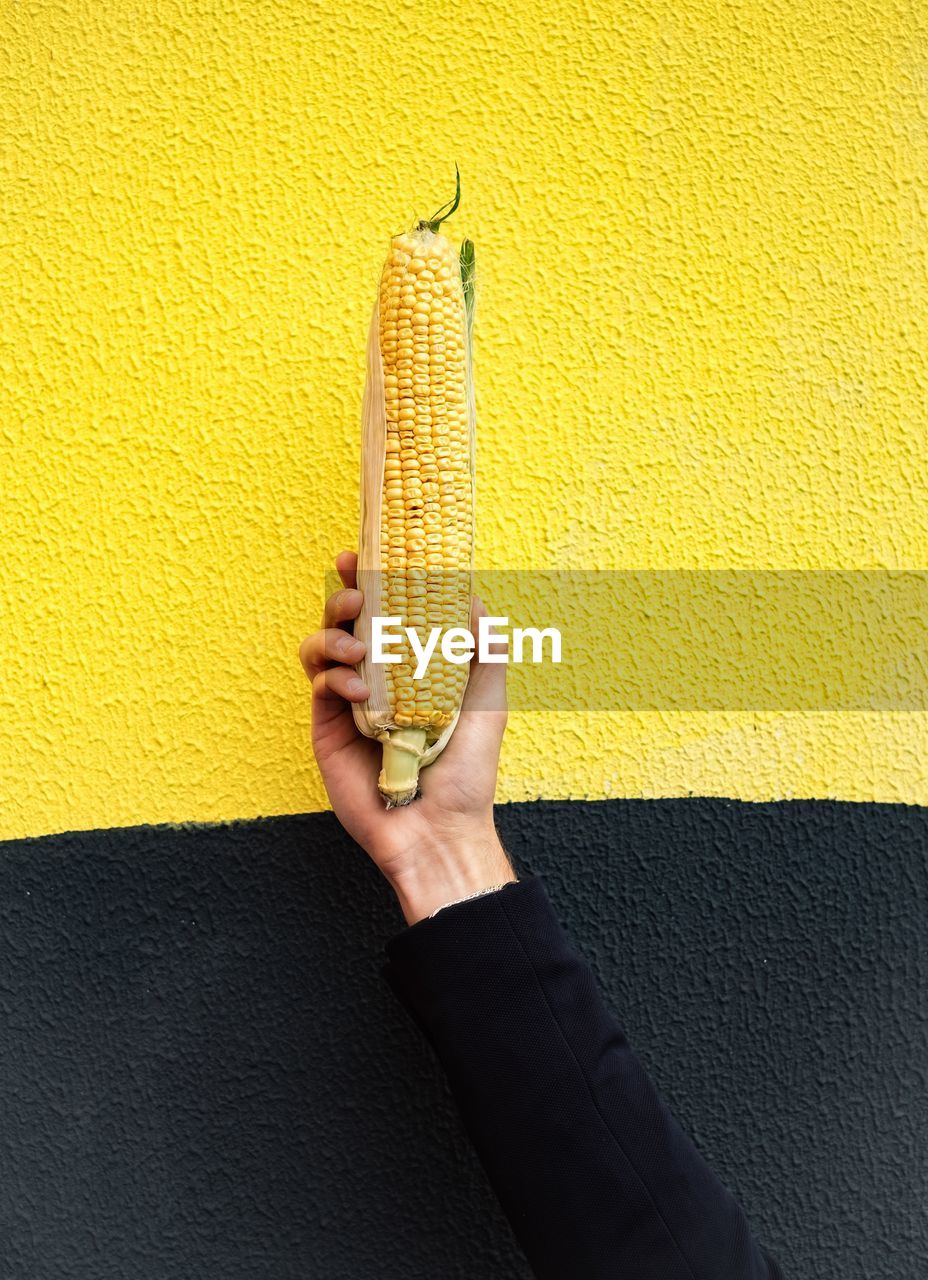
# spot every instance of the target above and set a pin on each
(486, 685)
(476, 742)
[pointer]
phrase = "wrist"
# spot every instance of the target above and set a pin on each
(449, 870)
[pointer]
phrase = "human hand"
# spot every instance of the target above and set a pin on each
(444, 845)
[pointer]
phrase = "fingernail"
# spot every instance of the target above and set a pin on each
(356, 686)
(346, 644)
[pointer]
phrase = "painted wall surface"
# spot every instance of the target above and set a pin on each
(702, 342)
(203, 1074)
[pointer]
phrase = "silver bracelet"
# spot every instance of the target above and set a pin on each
(470, 897)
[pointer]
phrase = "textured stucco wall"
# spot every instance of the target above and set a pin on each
(203, 1075)
(702, 244)
(702, 234)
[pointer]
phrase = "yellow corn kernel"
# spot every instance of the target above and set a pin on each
(438, 461)
(417, 502)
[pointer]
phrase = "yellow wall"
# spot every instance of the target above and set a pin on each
(702, 342)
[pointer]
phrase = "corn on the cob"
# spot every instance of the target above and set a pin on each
(417, 494)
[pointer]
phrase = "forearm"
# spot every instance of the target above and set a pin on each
(596, 1177)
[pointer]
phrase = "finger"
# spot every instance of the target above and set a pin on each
(333, 691)
(329, 645)
(343, 606)
(339, 683)
(333, 721)
(346, 562)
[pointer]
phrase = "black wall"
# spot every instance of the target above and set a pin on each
(203, 1075)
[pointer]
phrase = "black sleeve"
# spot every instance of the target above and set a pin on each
(595, 1175)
